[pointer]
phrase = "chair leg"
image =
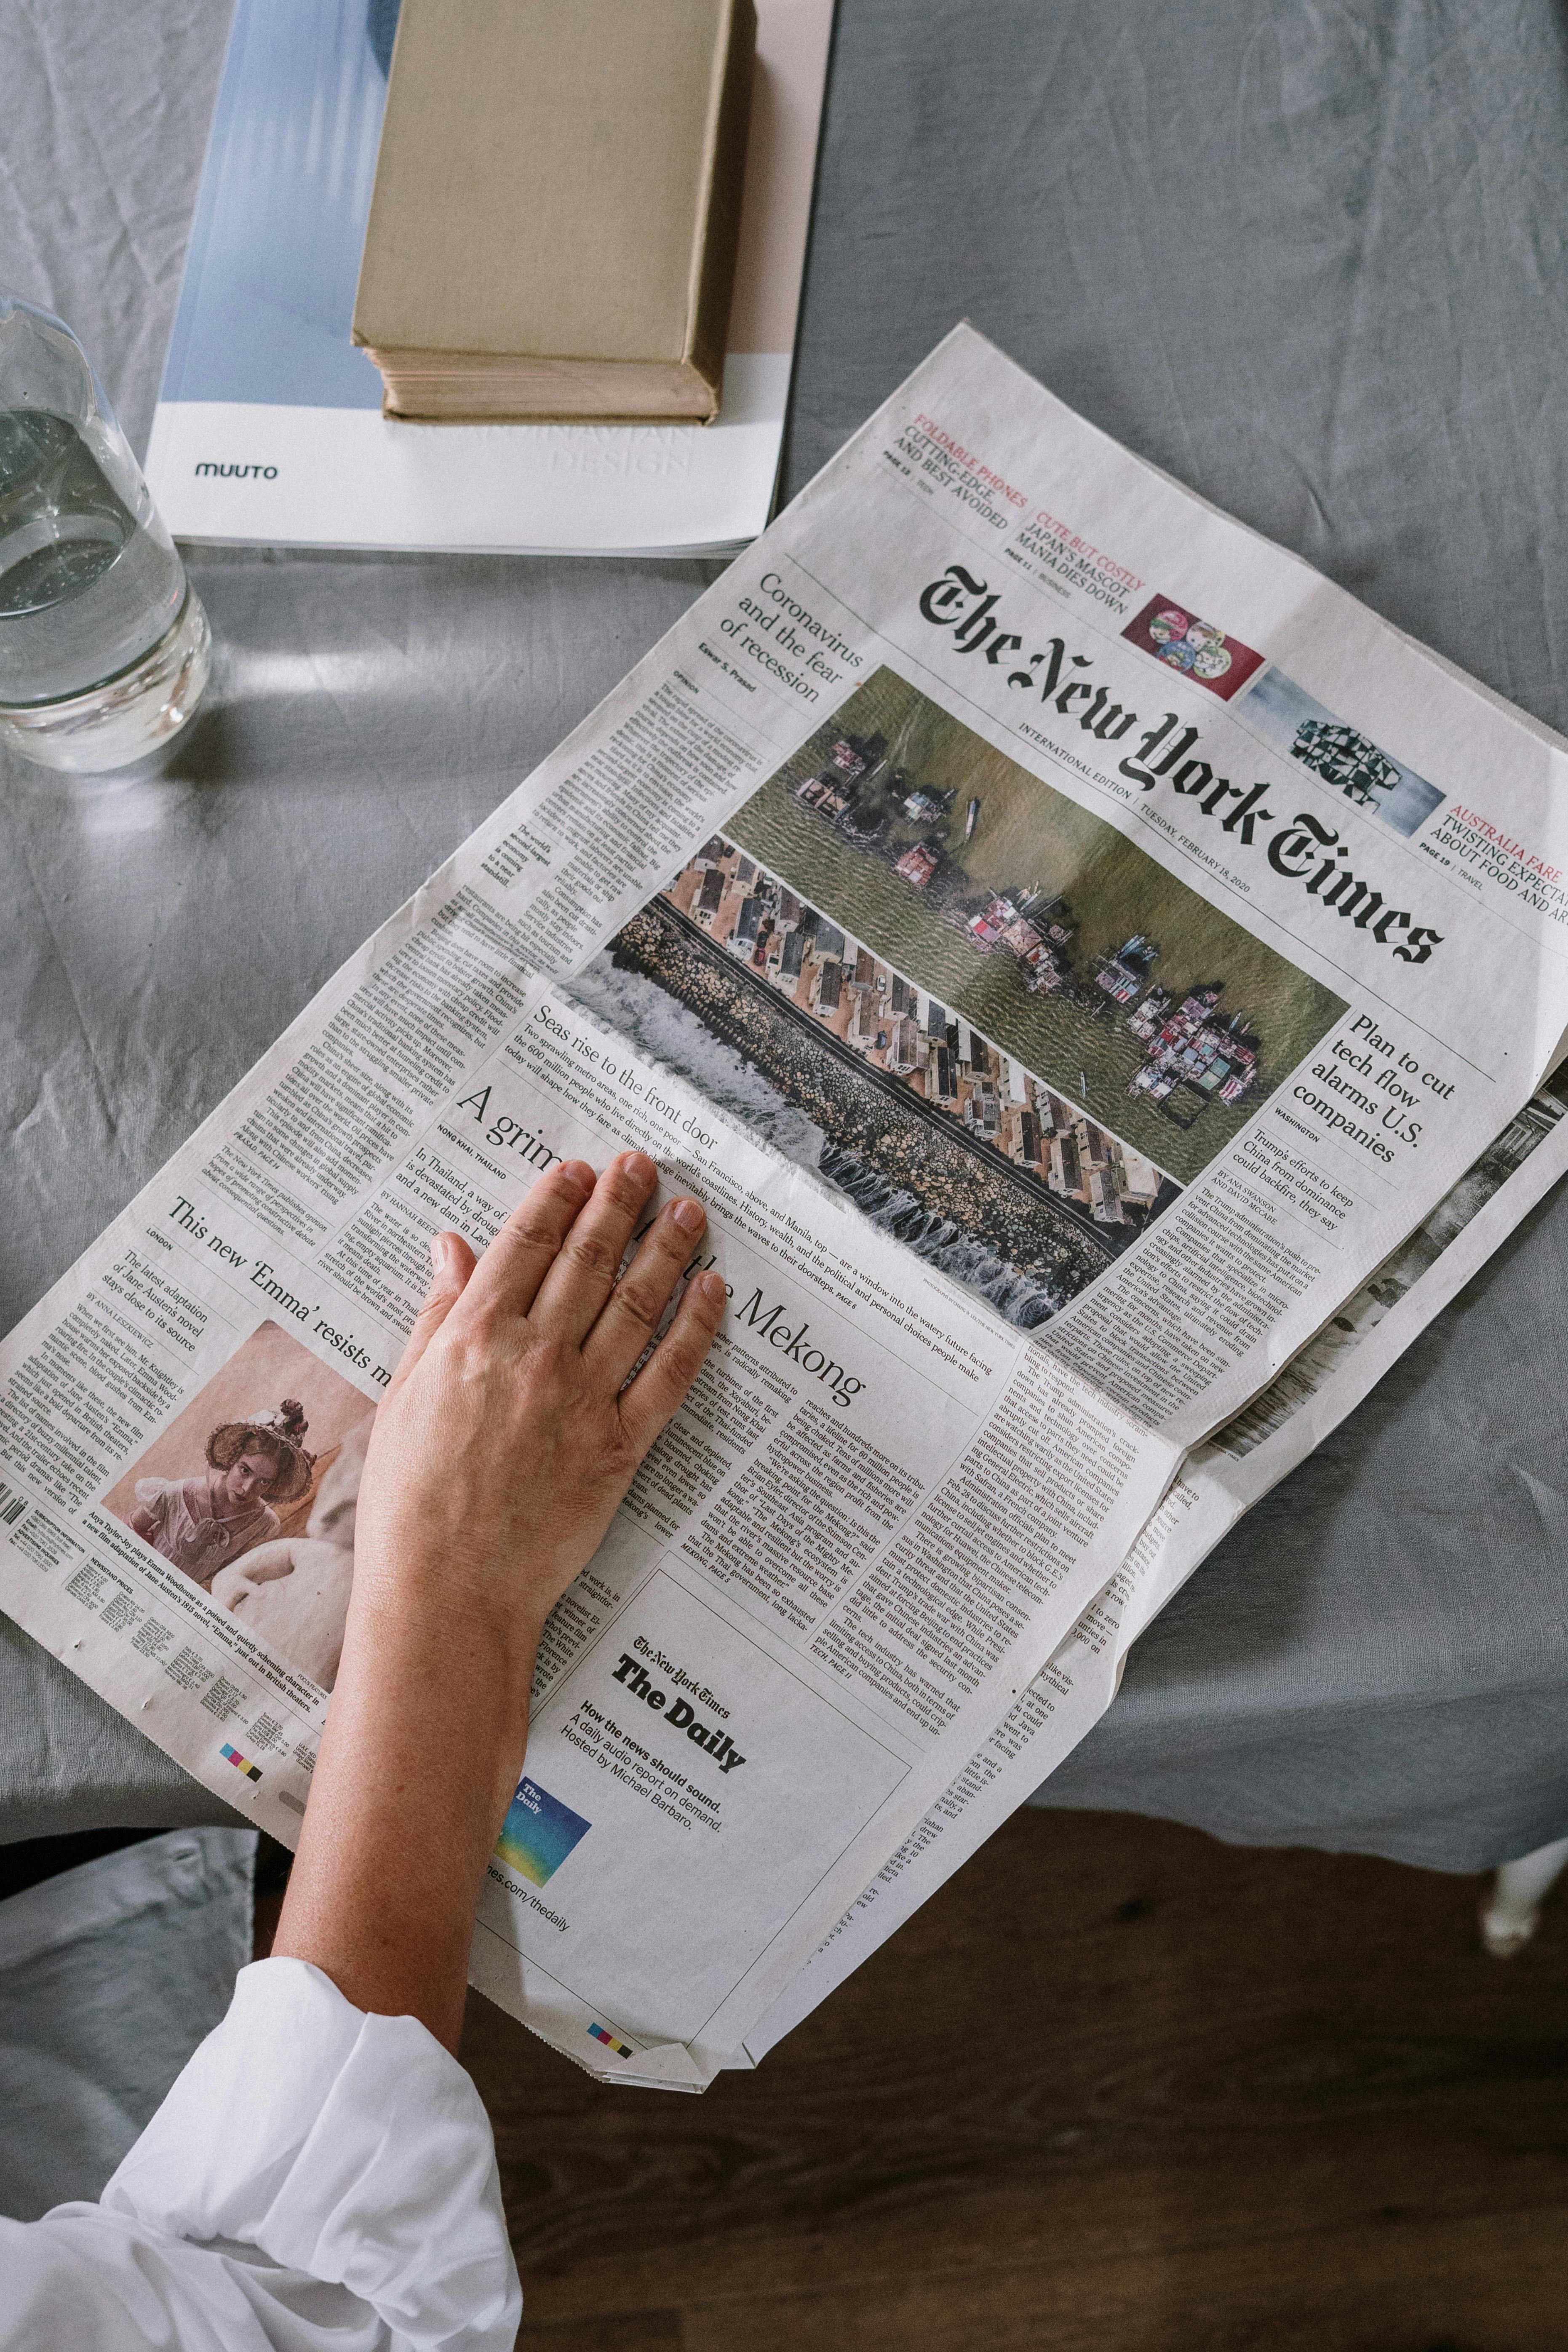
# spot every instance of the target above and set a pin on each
(1512, 1912)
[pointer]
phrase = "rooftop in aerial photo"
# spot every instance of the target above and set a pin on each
(1065, 944)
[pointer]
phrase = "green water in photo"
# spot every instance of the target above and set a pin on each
(1027, 836)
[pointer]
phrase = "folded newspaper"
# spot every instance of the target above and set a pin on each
(1103, 983)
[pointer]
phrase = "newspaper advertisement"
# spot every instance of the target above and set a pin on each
(1067, 944)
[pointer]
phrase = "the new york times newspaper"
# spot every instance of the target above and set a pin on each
(1218, 1481)
(1070, 947)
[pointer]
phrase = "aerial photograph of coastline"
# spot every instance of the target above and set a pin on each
(999, 1029)
(851, 1070)
(1062, 942)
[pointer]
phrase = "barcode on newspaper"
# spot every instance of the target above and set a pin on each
(12, 1505)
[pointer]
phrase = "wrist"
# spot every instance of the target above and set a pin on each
(432, 1622)
(442, 1682)
(422, 1750)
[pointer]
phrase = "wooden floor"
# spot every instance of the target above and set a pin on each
(1119, 2087)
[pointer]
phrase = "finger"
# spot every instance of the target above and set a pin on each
(451, 1264)
(583, 1274)
(635, 1309)
(661, 1387)
(521, 1253)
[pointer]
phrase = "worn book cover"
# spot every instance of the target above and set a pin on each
(554, 227)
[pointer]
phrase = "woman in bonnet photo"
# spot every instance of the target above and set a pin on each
(201, 1523)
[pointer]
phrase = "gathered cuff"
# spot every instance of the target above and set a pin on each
(351, 2147)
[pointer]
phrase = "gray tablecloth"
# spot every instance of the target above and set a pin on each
(1308, 258)
(110, 1974)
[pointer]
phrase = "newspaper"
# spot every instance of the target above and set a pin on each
(1218, 1484)
(1068, 945)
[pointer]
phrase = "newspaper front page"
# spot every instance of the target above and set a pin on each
(1067, 944)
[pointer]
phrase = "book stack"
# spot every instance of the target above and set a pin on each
(556, 210)
(270, 428)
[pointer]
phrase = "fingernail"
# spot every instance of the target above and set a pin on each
(640, 1168)
(713, 1288)
(578, 1173)
(440, 1253)
(689, 1215)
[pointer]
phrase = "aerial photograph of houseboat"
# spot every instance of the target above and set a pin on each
(1035, 923)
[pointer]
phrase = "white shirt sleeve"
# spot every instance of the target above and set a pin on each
(317, 2180)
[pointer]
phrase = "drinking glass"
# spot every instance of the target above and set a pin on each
(104, 646)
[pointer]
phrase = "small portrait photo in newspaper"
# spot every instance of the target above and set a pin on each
(251, 1492)
(1292, 720)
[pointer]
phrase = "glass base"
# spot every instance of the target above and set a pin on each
(126, 716)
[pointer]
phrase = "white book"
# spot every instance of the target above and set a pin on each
(269, 428)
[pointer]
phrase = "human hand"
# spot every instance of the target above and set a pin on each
(498, 1454)
(506, 1438)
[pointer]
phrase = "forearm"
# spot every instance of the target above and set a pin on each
(523, 1402)
(422, 1750)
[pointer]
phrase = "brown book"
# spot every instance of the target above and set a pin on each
(557, 199)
